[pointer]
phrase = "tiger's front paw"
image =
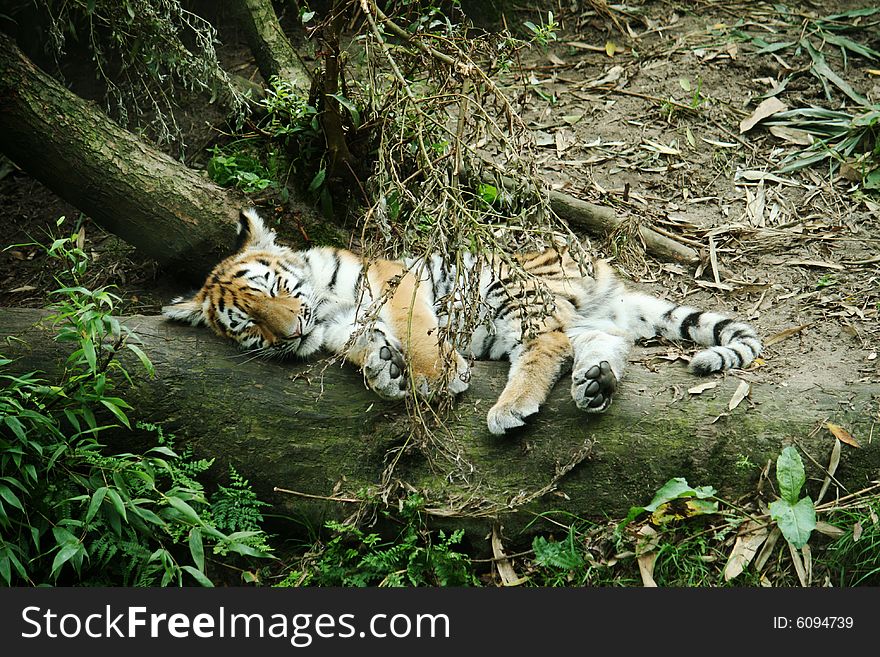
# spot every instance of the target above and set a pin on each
(384, 371)
(503, 417)
(439, 373)
(592, 387)
(459, 380)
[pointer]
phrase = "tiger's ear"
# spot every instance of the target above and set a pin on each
(252, 232)
(185, 310)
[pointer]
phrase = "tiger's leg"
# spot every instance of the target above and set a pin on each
(599, 362)
(432, 361)
(534, 368)
(373, 348)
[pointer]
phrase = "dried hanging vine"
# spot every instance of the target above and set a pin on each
(452, 170)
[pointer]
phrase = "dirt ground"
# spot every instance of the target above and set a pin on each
(651, 129)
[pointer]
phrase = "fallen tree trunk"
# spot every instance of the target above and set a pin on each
(315, 430)
(603, 220)
(168, 211)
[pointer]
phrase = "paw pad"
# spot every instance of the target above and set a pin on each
(384, 371)
(593, 388)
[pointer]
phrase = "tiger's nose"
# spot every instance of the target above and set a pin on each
(296, 330)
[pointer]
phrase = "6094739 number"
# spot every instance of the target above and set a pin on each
(823, 622)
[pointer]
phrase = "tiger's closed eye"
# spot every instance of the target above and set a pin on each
(280, 317)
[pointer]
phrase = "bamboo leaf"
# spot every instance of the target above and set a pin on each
(851, 45)
(91, 357)
(65, 554)
(117, 503)
(821, 69)
(199, 576)
(95, 504)
(10, 497)
(853, 13)
(197, 548)
(185, 509)
(113, 408)
(137, 351)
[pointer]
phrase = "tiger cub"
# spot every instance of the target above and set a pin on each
(386, 318)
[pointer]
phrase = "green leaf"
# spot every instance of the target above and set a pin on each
(70, 545)
(71, 417)
(562, 555)
(116, 411)
(117, 503)
(245, 550)
(197, 548)
(10, 497)
(161, 449)
(137, 351)
(185, 509)
(851, 45)
(233, 543)
(199, 576)
(318, 180)
(16, 427)
(773, 47)
(673, 489)
(677, 488)
(805, 161)
(350, 106)
(89, 417)
(790, 474)
(148, 516)
(487, 192)
(88, 348)
(821, 70)
(15, 562)
(95, 504)
(16, 483)
(853, 13)
(795, 521)
(65, 554)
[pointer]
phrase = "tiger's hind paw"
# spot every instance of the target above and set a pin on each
(592, 388)
(384, 371)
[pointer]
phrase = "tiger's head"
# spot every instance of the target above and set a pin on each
(258, 296)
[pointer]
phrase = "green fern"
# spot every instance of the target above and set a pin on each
(73, 512)
(235, 508)
(355, 558)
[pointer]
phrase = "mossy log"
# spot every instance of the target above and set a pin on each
(170, 212)
(314, 428)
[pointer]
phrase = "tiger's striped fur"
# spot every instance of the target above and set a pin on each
(386, 319)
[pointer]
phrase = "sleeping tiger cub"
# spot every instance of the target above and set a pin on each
(275, 301)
